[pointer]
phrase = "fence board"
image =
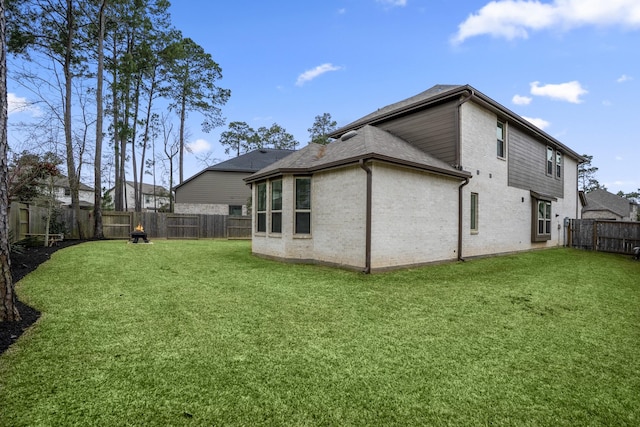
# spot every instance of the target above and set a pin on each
(239, 227)
(118, 225)
(605, 236)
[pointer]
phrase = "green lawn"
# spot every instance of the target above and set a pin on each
(201, 333)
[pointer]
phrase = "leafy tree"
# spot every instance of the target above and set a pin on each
(8, 308)
(240, 138)
(633, 196)
(275, 137)
(322, 126)
(51, 28)
(587, 176)
(29, 173)
(193, 74)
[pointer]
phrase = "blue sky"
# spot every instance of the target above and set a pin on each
(569, 66)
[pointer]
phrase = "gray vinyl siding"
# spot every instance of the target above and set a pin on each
(432, 130)
(527, 165)
(215, 187)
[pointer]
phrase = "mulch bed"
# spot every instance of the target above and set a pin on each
(21, 265)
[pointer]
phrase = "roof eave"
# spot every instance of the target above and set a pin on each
(353, 161)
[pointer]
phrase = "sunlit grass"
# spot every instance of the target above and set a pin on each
(202, 333)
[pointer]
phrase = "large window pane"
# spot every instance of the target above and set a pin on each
(303, 222)
(262, 222)
(262, 197)
(276, 222)
(276, 195)
(303, 193)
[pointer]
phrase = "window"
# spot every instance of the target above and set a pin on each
(261, 208)
(549, 161)
(235, 210)
(67, 191)
(276, 206)
(474, 213)
(542, 221)
(303, 206)
(558, 164)
(500, 140)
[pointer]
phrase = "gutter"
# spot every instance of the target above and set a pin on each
(466, 181)
(367, 262)
(459, 166)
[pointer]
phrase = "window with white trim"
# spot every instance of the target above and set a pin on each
(303, 206)
(500, 137)
(474, 213)
(558, 164)
(541, 229)
(276, 206)
(261, 208)
(549, 161)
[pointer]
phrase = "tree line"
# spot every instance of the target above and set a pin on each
(100, 69)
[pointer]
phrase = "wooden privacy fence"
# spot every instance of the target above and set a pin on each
(605, 236)
(26, 219)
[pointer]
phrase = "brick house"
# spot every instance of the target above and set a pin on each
(443, 175)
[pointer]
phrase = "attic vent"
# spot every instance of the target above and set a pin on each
(348, 135)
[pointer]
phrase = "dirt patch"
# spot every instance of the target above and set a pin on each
(21, 265)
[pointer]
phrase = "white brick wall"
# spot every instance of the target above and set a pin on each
(415, 217)
(504, 212)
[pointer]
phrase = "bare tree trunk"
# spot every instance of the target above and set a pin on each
(8, 308)
(181, 153)
(98, 231)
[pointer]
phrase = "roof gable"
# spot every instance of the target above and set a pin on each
(441, 93)
(367, 143)
(249, 162)
(599, 199)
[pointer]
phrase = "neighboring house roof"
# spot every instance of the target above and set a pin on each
(249, 162)
(62, 181)
(602, 200)
(158, 190)
(368, 143)
(441, 93)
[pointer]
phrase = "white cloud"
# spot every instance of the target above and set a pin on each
(570, 91)
(393, 3)
(541, 123)
(342, 11)
(199, 146)
(17, 104)
(309, 75)
(624, 78)
(513, 19)
(521, 100)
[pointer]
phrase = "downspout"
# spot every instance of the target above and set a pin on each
(459, 166)
(466, 181)
(367, 262)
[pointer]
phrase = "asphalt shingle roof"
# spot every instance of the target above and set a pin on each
(368, 142)
(599, 199)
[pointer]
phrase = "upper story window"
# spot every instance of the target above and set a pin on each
(303, 206)
(558, 164)
(276, 206)
(500, 136)
(550, 161)
(261, 208)
(235, 210)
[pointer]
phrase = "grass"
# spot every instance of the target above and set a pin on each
(201, 333)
